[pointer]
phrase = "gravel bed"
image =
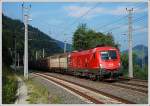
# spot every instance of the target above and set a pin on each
(127, 94)
(66, 97)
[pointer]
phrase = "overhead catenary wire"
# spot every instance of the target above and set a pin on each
(118, 20)
(134, 21)
(89, 10)
(120, 26)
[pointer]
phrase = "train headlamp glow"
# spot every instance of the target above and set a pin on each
(119, 64)
(101, 65)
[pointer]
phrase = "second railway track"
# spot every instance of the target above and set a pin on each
(134, 84)
(132, 87)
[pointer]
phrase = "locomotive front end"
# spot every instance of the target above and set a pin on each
(110, 63)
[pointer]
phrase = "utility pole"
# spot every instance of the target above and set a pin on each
(65, 44)
(18, 60)
(130, 42)
(22, 11)
(43, 53)
(26, 48)
(15, 50)
(36, 55)
(143, 58)
(26, 19)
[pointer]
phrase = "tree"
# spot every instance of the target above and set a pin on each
(137, 70)
(85, 38)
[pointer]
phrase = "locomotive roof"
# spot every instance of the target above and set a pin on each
(96, 49)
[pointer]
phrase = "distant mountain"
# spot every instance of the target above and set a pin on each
(142, 54)
(140, 48)
(37, 39)
(61, 44)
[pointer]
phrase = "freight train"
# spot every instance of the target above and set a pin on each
(96, 63)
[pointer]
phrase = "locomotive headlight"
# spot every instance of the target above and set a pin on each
(101, 65)
(119, 64)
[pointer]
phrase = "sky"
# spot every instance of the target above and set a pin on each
(60, 20)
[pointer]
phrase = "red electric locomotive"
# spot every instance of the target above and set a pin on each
(98, 62)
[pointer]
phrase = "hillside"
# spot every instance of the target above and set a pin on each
(61, 44)
(138, 50)
(37, 39)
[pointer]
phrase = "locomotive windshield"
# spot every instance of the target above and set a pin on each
(108, 55)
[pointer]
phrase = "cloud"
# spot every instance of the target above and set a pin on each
(140, 30)
(78, 11)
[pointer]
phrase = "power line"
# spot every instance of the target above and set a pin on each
(118, 20)
(83, 15)
(120, 26)
(134, 30)
(144, 27)
(114, 22)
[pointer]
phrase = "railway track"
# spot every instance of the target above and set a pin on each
(125, 85)
(134, 84)
(128, 85)
(94, 95)
(134, 79)
(135, 87)
(93, 100)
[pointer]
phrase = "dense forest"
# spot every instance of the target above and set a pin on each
(37, 40)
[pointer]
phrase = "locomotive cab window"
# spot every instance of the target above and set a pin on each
(108, 55)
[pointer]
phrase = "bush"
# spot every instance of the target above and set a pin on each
(9, 86)
(138, 72)
(141, 73)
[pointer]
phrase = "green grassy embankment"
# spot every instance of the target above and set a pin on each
(38, 94)
(9, 85)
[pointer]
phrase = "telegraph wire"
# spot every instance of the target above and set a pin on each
(120, 26)
(89, 10)
(118, 20)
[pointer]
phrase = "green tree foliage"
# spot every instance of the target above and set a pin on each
(137, 70)
(85, 38)
(37, 39)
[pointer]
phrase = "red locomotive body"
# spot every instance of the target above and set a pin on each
(97, 61)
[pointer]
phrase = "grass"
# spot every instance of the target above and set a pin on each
(9, 85)
(38, 94)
